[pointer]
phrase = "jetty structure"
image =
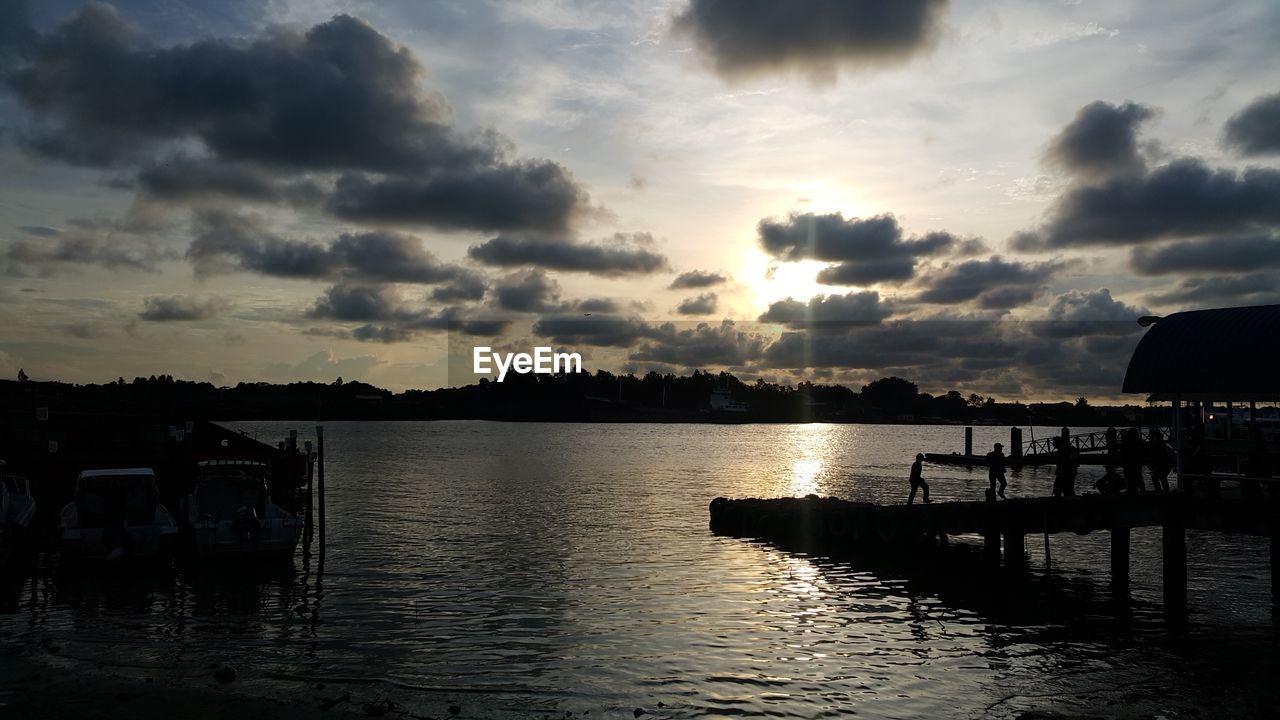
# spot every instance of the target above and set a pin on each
(1190, 360)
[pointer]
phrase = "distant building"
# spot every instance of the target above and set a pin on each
(722, 401)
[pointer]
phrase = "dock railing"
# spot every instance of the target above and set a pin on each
(1085, 442)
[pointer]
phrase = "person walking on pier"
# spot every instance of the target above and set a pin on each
(1064, 473)
(995, 471)
(1160, 460)
(917, 482)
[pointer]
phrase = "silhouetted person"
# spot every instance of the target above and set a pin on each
(917, 481)
(1064, 473)
(995, 471)
(1131, 456)
(1160, 460)
(1110, 483)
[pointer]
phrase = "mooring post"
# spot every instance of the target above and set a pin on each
(968, 441)
(1015, 548)
(1275, 568)
(1175, 566)
(320, 484)
(308, 517)
(1120, 558)
(1015, 443)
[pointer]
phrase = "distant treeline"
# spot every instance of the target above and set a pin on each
(602, 396)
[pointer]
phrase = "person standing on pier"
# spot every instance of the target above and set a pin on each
(1131, 456)
(1160, 460)
(917, 481)
(1064, 473)
(995, 471)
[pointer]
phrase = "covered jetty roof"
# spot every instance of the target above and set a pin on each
(1223, 354)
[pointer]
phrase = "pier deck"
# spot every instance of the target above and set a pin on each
(837, 527)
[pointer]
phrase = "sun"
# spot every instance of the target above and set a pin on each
(783, 280)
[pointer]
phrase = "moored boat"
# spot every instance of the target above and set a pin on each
(231, 514)
(17, 508)
(116, 515)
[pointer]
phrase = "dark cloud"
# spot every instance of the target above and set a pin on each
(1211, 255)
(182, 178)
(270, 114)
(704, 304)
(359, 303)
(1255, 130)
(694, 279)
(706, 345)
(1260, 288)
(992, 284)
(466, 286)
(829, 310)
(598, 305)
(603, 330)
(866, 251)
(180, 308)
(622, 254)
(746, 37)
(1101, 141)
(528, 291)
(1180, 200)
(539, 196)
(226, 241)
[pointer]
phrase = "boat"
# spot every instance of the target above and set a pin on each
(722, 401)
(17, 508)
(230, 513)
(116, 515)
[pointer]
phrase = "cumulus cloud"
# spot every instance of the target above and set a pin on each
(704, 304)
(865, 251)
(359, 303)
(1101, 141)
(227, 241)
(48, 251)
(1209, 255)
(1183, 199)
(1259, 288)
(274, 113)
(604, 330)
(465, 287)
(623, 254)
(1255, 130)
(722, 344)
(829, 310)
(528, 291)
(388, 318)
(748, 37)
(694, 279)
(1081, 313)
(992, 284)
(598, 305)
(180, 308)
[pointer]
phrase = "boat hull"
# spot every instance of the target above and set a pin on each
(140, 542)
(271, 539)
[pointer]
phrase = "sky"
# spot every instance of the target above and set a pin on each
(974, 195)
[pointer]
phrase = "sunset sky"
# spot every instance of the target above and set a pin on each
(288, 190)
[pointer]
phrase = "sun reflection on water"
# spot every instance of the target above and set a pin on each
(815, 447)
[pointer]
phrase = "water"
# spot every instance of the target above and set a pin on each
(569, 567)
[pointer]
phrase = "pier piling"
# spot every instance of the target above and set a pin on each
(320, 485)
(968, 442)
(1015, 549)
(1175, 566)
(1120, 558)
(1015, 443)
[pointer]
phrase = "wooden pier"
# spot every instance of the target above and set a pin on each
(831, 526)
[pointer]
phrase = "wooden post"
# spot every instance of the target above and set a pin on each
(1177, 437)
(1175, 566)
(968, 441)
(1015, 443)
(1275, 569)
(991, 542)
(1015, 549)
(1120, 558)
(320, 484)
(308, 518)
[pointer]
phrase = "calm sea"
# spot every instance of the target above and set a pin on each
(567, 567)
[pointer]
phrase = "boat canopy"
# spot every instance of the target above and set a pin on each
(1225, 354)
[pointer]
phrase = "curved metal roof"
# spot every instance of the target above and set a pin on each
(1222, 354)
